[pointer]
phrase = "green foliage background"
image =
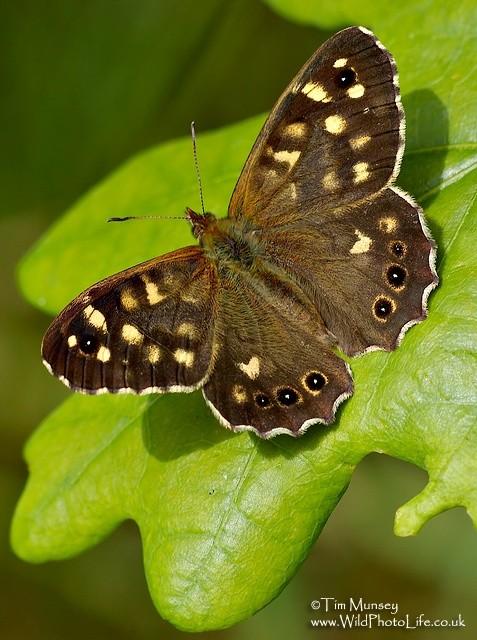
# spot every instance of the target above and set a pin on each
(225, 520)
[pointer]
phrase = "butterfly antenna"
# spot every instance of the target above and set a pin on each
(196, 162)
(115, 219)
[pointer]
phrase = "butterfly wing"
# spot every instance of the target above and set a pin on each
(275, 372)
(317, 188)
(335, 136)
(147, 329)
(369, 271)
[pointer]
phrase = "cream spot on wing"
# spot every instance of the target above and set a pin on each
(293, 192)
(152, 292)
(271, 175)
(72, 341)
(131, 334)
(184, 357)
(359, 142)
(335, 124)
(252, 368)
(296, 129)
(316, 92)
(103, 354)
(361, 173)
(153, 354)
(94, 317)
(362, 244)
(128, 301)
(290, 157)
(330, 180)
(341, 62)
(153, 295)
(356, 91)
(188, 296)
(187, 330)
(239, 394)
(387, 224)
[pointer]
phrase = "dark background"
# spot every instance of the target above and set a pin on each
(84, 86)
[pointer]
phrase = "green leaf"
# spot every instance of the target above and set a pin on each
(227, 519)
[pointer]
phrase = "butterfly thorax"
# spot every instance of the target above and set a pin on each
(227, 242)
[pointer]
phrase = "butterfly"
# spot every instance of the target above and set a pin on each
(320, 251)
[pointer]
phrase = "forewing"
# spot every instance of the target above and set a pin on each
(147, 329)
(275, 371)
(368, 271)
(335, 136)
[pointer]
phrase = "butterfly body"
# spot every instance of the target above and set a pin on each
(229, 242)
(319, 251)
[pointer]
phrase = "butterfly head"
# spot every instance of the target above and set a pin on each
(200, 221)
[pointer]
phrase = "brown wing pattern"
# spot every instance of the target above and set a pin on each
(369, 271)
(275, 372)
(335, 136)
(146, 329)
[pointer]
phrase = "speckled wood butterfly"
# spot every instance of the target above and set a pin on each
(319, 250)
